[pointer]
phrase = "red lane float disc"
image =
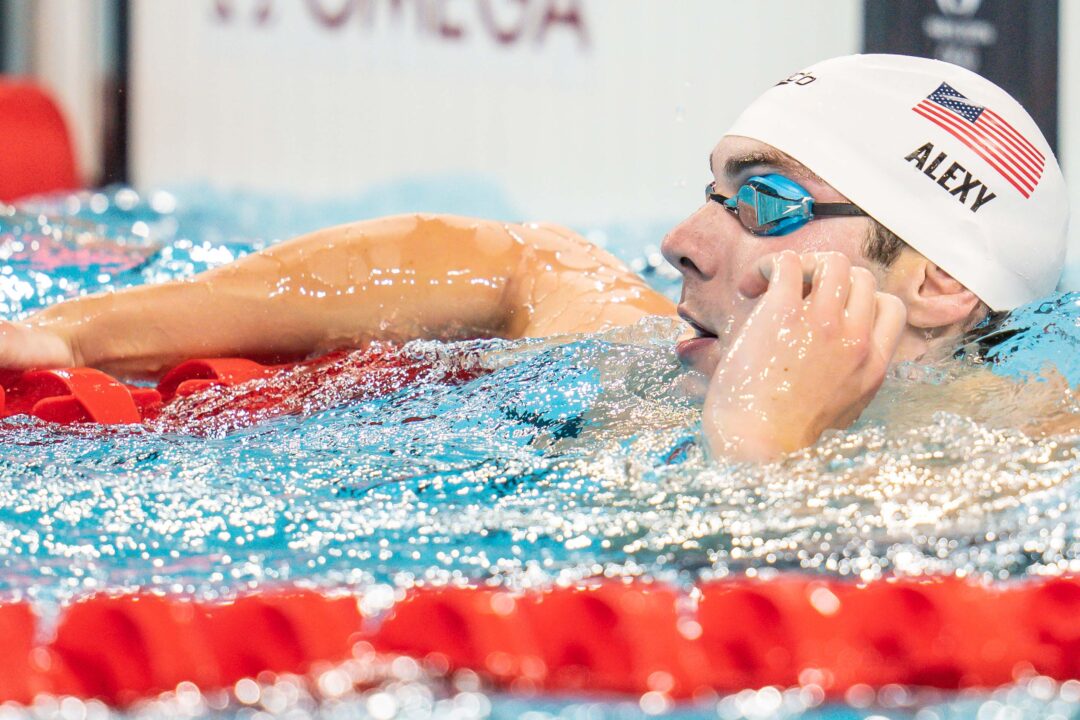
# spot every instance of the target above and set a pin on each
(19, 676)
(122, 648)
(73, 395)
(281, 632)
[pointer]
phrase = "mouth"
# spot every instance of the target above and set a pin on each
(694, 351)
(701, 330)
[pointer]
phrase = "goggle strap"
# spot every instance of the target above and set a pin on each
(838, 209)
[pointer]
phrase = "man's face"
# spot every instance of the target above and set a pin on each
(713, 250)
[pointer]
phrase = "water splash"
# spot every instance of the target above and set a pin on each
(562, 459)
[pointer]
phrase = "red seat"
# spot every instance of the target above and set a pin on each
(37, 153)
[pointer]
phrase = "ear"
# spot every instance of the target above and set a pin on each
(934, 298)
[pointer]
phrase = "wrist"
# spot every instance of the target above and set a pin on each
(750, 431)
(742, 444)
(759, 444)
(59, 338)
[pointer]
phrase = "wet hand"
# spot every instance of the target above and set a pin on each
(23, 347)
(811, 356)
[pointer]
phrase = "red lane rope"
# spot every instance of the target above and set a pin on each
(737, 634)
(631, 637)
(222, 394)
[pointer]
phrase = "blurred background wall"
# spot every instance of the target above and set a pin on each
(576, 111)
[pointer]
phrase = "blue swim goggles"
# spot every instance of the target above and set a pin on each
(772, 205)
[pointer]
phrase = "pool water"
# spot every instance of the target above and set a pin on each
(562, 459)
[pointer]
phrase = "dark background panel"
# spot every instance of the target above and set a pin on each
(1012, 42)
(3, 37)
(115, 160)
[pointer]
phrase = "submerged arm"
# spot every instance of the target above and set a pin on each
(396, 278)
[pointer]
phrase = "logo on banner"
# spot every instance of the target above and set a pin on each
(506, 22)
(959, 7)
(987, 134)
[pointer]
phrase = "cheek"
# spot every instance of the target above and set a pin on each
(844, 235)
(720, 251)
(756, 248)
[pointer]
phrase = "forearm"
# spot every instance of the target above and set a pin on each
(394, 278)
(141, 331)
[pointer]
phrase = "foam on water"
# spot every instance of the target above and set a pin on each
(563, 459)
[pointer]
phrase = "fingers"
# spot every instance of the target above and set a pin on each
(832, 282)
(889, 321)
(861, 303)
(836, 289)
(875, 319)
(756, 280)
(786, 279)
(823, 274)
(23, 347)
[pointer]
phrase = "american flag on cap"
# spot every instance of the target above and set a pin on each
(989, 135)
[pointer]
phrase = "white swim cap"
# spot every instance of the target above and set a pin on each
(941, 156)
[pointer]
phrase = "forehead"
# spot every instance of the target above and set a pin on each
(735, 156)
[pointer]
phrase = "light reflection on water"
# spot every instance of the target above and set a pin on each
(567, 460)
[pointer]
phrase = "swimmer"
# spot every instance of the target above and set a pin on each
(859, 212)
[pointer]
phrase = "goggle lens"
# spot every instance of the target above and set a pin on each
(763, 212)
(769, 205)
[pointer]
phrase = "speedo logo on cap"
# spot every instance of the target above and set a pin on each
(799, 78)
(987, 134)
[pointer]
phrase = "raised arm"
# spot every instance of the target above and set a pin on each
(811, 356)
(398, 278)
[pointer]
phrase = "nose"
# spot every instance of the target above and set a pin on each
(692, 245)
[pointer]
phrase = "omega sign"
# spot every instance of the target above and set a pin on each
(504, 22)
